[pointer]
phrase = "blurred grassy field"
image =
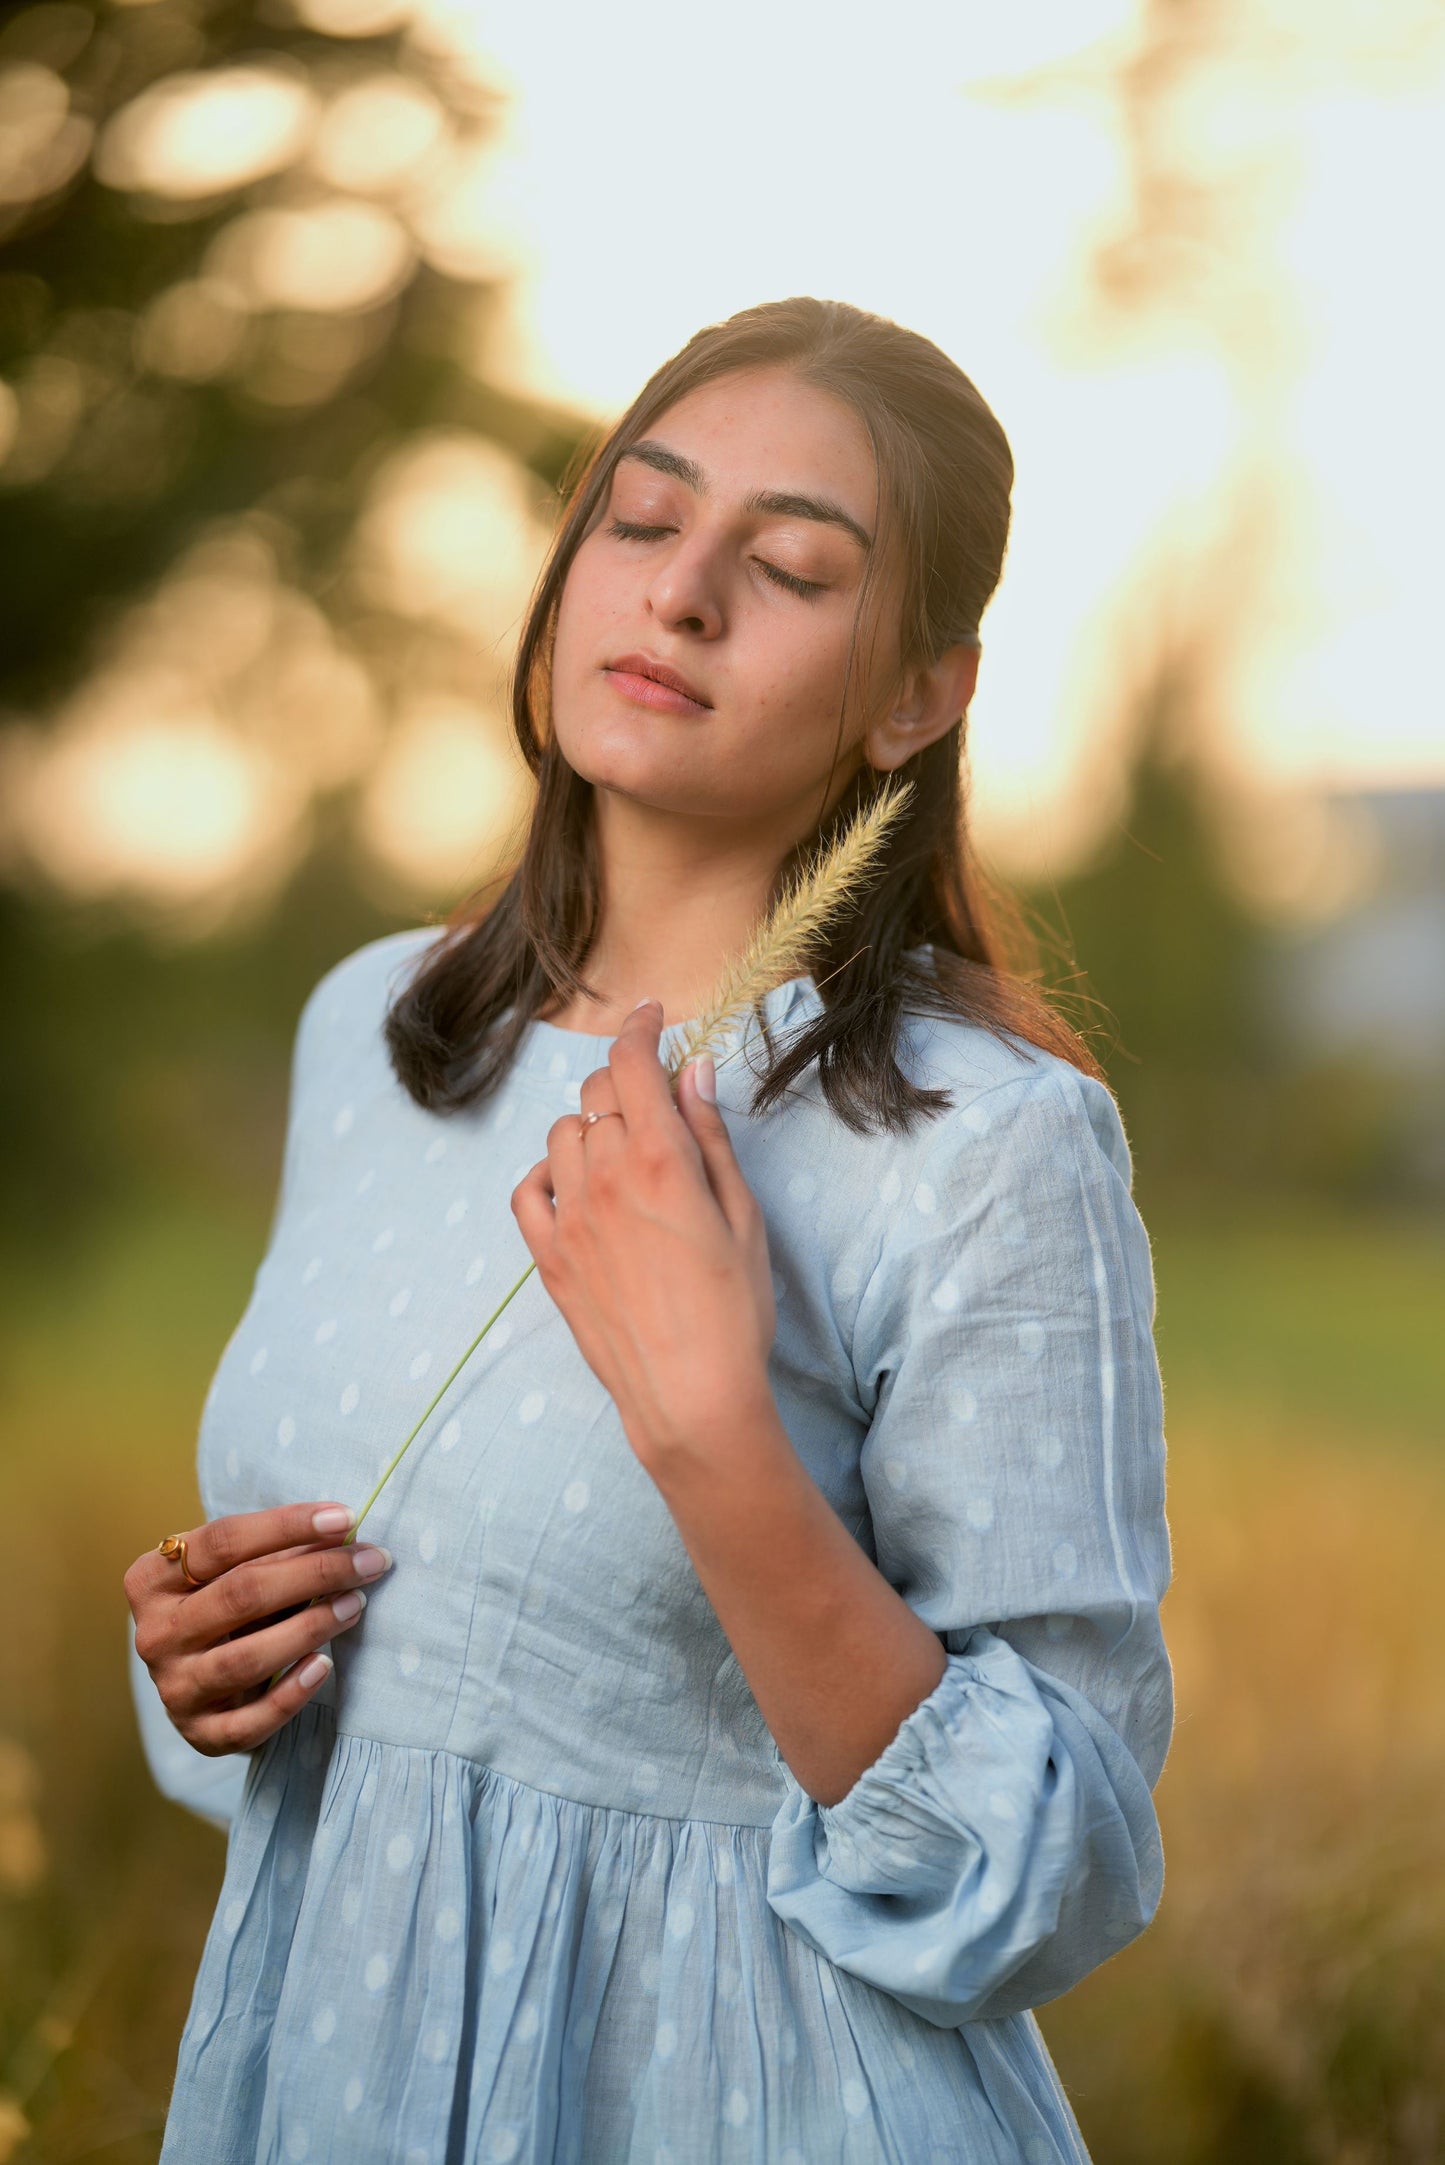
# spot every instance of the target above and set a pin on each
(1286, 2006)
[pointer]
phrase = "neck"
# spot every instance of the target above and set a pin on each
(679, 898)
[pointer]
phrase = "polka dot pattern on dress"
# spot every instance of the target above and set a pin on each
(508, 1548)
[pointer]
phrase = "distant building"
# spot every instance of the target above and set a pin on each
(1370, 984)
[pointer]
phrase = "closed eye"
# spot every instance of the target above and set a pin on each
(632, 530)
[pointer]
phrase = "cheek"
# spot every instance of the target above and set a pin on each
(586, 606)
(801, 672)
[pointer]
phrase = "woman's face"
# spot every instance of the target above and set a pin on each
(704, 627)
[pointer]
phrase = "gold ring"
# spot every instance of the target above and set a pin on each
(588, 1118)
(173, 1548)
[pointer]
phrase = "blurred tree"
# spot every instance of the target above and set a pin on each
(260, 501)
(1151, 932)
(237, 271)
(1173, 976)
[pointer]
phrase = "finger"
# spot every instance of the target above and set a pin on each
(222, 1543)
(535, 1213)
(241, 1729)
(709, 1131)
(214, 1681)
(564, 1165)
(644, 1094)
(261, 1589)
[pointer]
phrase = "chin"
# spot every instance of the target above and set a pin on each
(627, 758)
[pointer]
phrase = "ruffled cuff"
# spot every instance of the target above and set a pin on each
(945, 1865)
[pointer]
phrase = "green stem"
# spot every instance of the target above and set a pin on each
(397, 1456)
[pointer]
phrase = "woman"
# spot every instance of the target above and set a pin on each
(758, 1698)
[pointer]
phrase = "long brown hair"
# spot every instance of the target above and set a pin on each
(944, 475)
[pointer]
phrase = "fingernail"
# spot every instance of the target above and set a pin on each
(649, 1003)
(704, 1074)
(334, 1519)
(347, 1607)
(370, 1563)
(313, 1669)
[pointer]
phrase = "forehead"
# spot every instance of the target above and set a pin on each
(769, 429)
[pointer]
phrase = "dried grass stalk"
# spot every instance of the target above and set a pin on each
(784, 944)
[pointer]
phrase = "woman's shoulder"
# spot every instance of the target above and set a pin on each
(355, 991)
(1000, 1085)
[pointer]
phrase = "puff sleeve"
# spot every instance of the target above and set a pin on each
(1005, 1841)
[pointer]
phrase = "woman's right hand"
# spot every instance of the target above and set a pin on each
(212, 1649)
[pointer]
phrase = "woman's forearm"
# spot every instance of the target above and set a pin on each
(835, 1658)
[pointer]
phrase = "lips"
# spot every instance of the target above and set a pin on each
(633, 670)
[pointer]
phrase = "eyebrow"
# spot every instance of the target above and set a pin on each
(779, 503)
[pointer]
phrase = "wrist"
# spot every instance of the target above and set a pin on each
(736, 1426)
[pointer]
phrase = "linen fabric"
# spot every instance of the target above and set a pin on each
(529, 1879)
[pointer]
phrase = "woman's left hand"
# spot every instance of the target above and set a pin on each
(653, 1246)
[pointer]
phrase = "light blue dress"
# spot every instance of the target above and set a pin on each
(529, 1879)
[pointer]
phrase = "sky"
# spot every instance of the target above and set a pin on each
(1258, 438)
(1187, 253)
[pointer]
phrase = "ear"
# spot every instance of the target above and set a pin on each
(929, 700)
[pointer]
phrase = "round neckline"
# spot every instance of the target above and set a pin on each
(547, 1050)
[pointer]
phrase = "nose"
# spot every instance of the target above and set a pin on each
(685, 592)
